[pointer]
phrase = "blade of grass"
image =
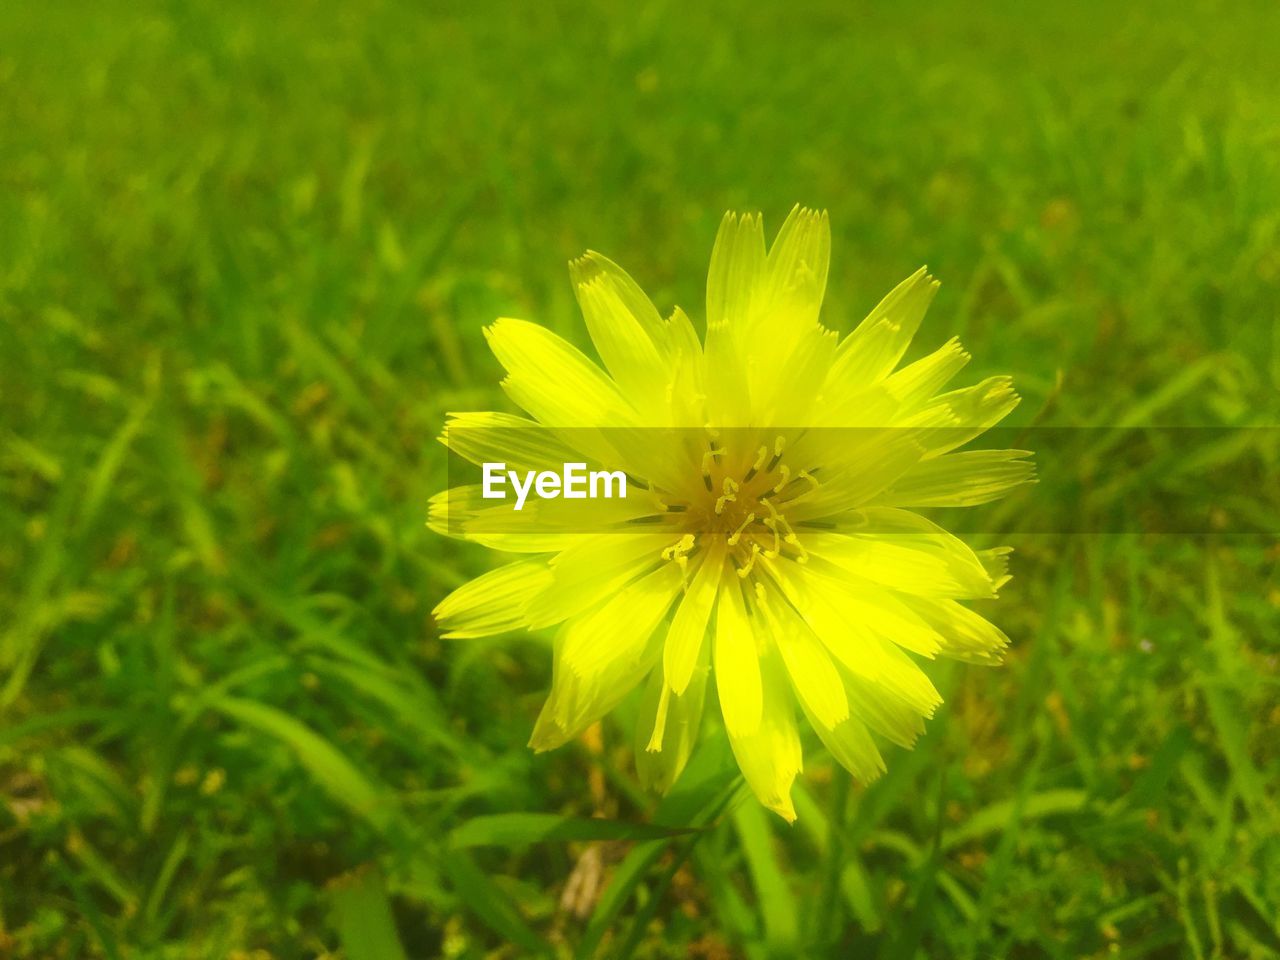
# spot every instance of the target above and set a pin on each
(707, 785)
(363, 918)
(519, 829)
(173, 859)
(776, 902)
(322, 759)
(490, 905)
(1000, 816)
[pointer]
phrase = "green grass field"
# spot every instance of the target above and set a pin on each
(245, 258)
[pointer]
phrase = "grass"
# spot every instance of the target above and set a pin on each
(245, 256)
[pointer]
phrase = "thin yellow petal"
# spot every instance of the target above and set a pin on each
(593, 570)
(966, 635)
(869, 353)
(628, 352)
(972, 411)
(737, 662)
(908, 552)
(689, 625)
(737, 270)
(850, 744)
(668, 728)
(814, 678)
(601, 655)
(492, 603)
(522, 444)
(552, 380)
(960, 479)
(770, 757)
(796, 272)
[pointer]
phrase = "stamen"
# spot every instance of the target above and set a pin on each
(730, 488)
(797, 493)
(790, 538)
(708, 457)
(680, 550)
(778, 444)
(751, 561)
(773, 552)
(785, 473)
(737, 534)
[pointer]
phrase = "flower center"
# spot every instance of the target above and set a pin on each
(743, 499)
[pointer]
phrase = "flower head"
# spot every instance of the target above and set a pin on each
(772, 543)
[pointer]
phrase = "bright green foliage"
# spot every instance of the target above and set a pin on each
(246, 256)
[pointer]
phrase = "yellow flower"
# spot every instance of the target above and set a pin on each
(769, 539)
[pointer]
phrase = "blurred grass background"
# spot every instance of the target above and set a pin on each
(245, 255)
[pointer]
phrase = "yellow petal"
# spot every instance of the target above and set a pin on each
(884, 711)
(668, 728)
(960, 479)
(972, 411)
(601, 655)
(862, 631)
(733, 282)
(919, 381)
(808, 363)
(462, 513)
(770, 757)
(814, 678)
(624, 345)
(592, 570)
(869, 353)
(552, 380)
(596, 266)
(689, 625)
(543, 526)
(926, 561)
(685, 350)
(737, 663)
(965, 634)
(795, 272)
(737, 270)
(996, 562)
(492, 603)
(522, 444)
(850, 744)
(860, 466)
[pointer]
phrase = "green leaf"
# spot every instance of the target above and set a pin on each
(363, 918)
(488, 903)
(517, 829)
(322, 759)
(707, 784)
(777, 903)
(997, 816)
